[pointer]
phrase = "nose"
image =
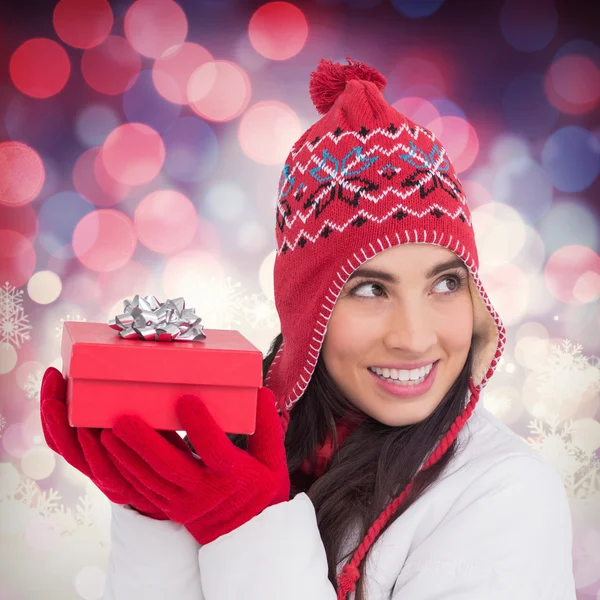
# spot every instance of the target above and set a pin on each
(410, 328)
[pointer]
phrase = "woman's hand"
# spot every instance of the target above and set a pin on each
(82, 449)
(220, 491)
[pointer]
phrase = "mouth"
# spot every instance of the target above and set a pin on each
(405, 383)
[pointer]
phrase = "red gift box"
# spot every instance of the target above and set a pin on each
(108, 376)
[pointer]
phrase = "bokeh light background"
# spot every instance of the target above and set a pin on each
(140, 149)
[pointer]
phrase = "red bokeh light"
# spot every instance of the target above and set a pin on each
(92, 181)
(22, 219)
(22, 174)
(572, 274)
(154, 26)
(459, 138)
(133, 154)
(83, 23)
(17, 258)
(278, 30)
(165, 221)
(172, 71)
(104, 240)
(219, 90)
(573, 84)
(40, 68)
(111, 67)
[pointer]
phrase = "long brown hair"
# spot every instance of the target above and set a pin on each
(373, 465)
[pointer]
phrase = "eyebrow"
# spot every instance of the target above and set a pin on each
(389, 278)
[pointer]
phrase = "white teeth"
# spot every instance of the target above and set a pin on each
(403, 375)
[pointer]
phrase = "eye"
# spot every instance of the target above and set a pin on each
(457, 280)
(368, 285)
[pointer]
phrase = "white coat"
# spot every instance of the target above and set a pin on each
(495, 526)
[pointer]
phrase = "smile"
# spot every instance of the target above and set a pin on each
(405, 384)
(401, 375)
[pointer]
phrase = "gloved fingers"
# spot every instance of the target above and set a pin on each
(60, 436)
(107, 477)
(174, 438)
(266, 444)
(208, 438)
(140, 474)
(172, 464)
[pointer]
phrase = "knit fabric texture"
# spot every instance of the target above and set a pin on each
(362, 179)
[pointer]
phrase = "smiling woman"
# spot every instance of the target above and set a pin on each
(399, 318)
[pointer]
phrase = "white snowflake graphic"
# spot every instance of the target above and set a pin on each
(221, 304)
(565, 375)
(558, 442)
(14, 323)
(33, 385)
(59, 328)
(497, 404)
(2, 423)
(260, 311)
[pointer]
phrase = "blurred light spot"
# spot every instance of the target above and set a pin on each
(154, 26)
(416, 109)
(192, 149)
(459, 138)
(265, 275)
(573, 274)
(22, 174)
(278, 30)
(143, 104)
(531, 348)
(133, 154)
(94, 123)
(14, 441)
(224, 201)
(82, 289)
(104, 240)
(509, 147)
(39, 68)
(573, 84)
(130, 279)
(89, 583)
(447, 108)
(8, 359)
(571, 156)
(42, 534)
(17, 258)
(219, 90)
(500, 234)
(364, 3)
(112, 67)
(528, 26)
(38, 462)
(44, 287)
(83, 23)
(58, 217)
(171, 72)
(477, 194)
(93, 182)
(526, 107)
(22, 219)
(165, 221)
(532, 255)
(251, 237)
(187, 274)
(417, 10)
(508, 289)
(268, 130)
(523, 183)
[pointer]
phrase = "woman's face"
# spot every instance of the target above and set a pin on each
(396, 311)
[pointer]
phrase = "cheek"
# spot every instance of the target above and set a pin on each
(456, 329)
(347, 340)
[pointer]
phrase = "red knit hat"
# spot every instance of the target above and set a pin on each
(362, 179)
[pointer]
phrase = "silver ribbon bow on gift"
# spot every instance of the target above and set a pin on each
(146, 318)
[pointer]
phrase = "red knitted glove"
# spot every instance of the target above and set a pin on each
(213, 495)
(82, 449)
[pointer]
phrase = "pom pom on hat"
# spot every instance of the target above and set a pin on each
(329, 81)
